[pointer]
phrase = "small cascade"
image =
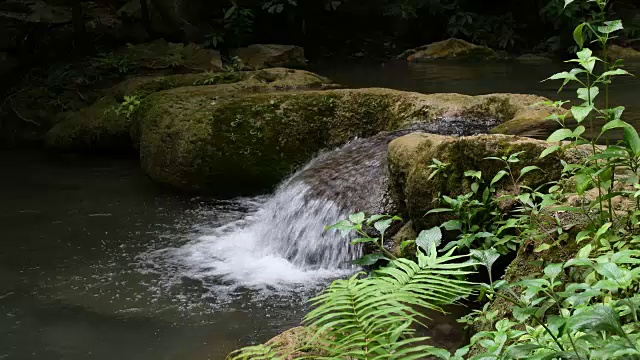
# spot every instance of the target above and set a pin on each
(282, 243)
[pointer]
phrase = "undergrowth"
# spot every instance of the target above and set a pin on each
(584, 305)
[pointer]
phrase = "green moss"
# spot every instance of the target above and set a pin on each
(98, 127)
(251, 142)
(451, 49)
(197, 138)
(410, 157)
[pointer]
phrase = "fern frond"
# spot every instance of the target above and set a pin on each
(372, 317)
(257, 352)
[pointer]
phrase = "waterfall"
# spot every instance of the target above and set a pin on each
(281, 244)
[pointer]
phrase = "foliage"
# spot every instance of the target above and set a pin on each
(128, 106)
(585, 307)
(359, 223)
(477, 218)
(238, 24)
(582, 306)
(374, 317)
(112, 61)
(257, 352)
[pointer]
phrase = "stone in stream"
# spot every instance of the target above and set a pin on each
(101, 127)
(260, 56)
(414, 190)
(187, 140)
(449, 49)
(615, 52)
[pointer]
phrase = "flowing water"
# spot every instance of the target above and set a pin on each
(97, 262)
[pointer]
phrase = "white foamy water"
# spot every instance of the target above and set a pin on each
(283, 246)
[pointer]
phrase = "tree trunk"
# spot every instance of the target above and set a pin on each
(144, 14)
(77, 16)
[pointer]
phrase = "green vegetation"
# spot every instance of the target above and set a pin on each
(582, 303)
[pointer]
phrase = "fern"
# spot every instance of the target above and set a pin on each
(373, 317)
(257, 352)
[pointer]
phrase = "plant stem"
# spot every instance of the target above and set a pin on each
(536, 318)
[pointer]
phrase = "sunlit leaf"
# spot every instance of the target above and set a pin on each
(427, 238)
(610, 26)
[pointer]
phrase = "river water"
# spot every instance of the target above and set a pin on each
(97, 262)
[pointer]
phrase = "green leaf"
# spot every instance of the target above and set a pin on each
(363, 240)
(549, 150)
(610, 26)
(560, 135)
(522, 314)
(369, 260)
(632, 139)
(542, 247)
(528, 169)
(474, 187)
(439, 210)
(578, 131)
(567, 2)
(452, 225)
(614, 124)
(427, 238)
(375, 218)
(580, 113)
(615, 72)
(473, 174)
(357, 218)
(578, 35)
(596, 319)
(498, 176)
(563, 76)
(588, 94)
(485, 257)
(344, 226)
(383, 225)
(553, 270)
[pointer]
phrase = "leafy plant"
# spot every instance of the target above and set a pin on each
(128, 106)
(121, 63)
(374, 317)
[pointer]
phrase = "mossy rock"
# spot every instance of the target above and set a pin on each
(96, 127)
(411, 155)
(261, 56)
(99, 128)
(160, 54)
(193, 139)
(449, 49)
(615, 52)
(294, 343)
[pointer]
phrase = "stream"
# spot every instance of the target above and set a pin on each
(98, 262)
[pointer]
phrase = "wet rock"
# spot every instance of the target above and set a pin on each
(161, 54)
(192, 139)
(35, 12)
(533, 59)
(449, 49)
(260, 56)
(619, 52)
(100, 127)
(411, 155)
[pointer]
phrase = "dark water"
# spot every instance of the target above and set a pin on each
(78, 276)
(482, 78)
(73, 285)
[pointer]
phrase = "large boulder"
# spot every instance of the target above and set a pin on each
(160, 54)
(415, 190)
(103, 126)
(616, 52)
(192, 139)
(260, 56)
(100, 127)
(449, 49)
